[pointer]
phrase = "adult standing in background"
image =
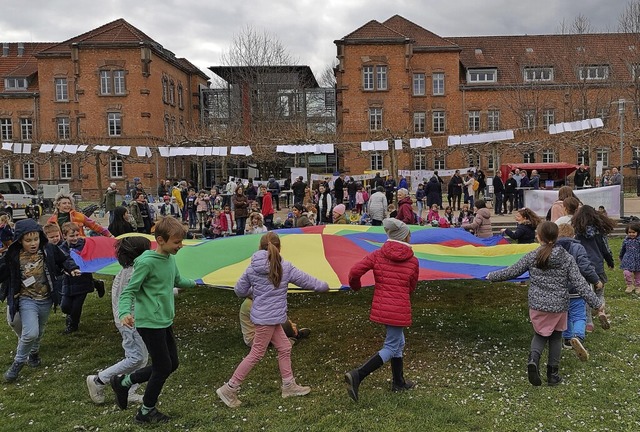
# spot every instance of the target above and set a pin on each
(389, 188)
(274, 188)
(352, 188)
(402, 183)
(378, 206)
(456, 184)
(324, 206)
(109, 200)
(435, 174)
(241, 209)
(510, 189)
(405, 208)
(534, 181)
(616, 177)
(298, 187)
(433, 192)
(517, 176)
(582, 177)
(377, 181)
(498, 193)
(482, 184)
(338, 189)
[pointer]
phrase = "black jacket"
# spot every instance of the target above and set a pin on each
(10, 275)
(75, 285)
(498, 186)
(524, 233)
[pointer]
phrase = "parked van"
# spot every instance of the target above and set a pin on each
(16, 196)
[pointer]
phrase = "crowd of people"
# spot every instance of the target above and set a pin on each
(567, 274)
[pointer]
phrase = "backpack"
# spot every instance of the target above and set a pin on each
(476, 185)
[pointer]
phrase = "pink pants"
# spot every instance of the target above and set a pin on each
(264, 335)
(632, 278)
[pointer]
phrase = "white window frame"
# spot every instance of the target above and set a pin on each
(114, 124)
(602, 154)
(473, 159)
(438, 122)
(548, 156)
(15, 84)
(376, 160)
(375, 119)
(6, 170)
(28, 170)
(528, 157)
(381, 77)
(63, 126)
(119, 82)
(367, 78)
(594, 72)
(490, 162)
(474, 121)
(538, 74)
(26, 129)
(439, 161)
(481, 76)
(437, 79)
(420, 160)
(493, 120)
(6, 129)
(548, 117)
(66, 169)
(116, 167)
(105, 82)
(419, 122)
(62, 90)
(374, 77)
(419, 84)
(172, 93)
(530, 119)
(582, 156)
(113, 82)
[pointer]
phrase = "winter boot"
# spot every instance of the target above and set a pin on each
(354, 378)
(629, 289)
(399, 384)
(229, 395)
(553, 377)
(71, 327)
(533, 371)
(12, 373)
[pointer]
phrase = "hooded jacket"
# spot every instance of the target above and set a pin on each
(549, 288)
(378, 206)
(151, 290)
(395, 271)
(54, 262)
(597, 249)
(76, 285)
(481, 224)
(579, 253)
(269, 302)
(405, 211)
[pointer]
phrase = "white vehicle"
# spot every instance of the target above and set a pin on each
(16, 196)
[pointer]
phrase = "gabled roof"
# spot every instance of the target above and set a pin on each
(421, 36)
(373, 30)
(565, 53)
(24, 66)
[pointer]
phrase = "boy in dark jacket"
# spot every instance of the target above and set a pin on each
(29, 268)
(74, 288)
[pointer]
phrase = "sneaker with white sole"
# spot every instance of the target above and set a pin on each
(604, 321)
(229, 395)
(566, 344)
(96, 390)
(579, 349)
(292, 389)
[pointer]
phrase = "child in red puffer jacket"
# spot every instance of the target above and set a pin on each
(395, 271)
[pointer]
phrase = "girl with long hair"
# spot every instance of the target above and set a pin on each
(120, 224)
(551, 271)
(267, 280)
(526, 223)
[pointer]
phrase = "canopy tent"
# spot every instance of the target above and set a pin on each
(556, 171)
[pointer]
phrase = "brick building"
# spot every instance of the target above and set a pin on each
(397, 80)
(111, 86)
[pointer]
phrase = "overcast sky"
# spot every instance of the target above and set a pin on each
(201, 30)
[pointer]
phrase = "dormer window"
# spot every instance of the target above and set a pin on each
(15, 84)
(536, 74)
(594, 72)
(481, 76)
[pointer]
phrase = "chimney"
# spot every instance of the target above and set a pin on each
(20, 49)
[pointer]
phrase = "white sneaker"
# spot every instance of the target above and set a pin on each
(229, 395)
(134, 397)
(96, 391)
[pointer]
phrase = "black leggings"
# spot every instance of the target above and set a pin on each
(555, 346)
(161, 345)
(72, 306)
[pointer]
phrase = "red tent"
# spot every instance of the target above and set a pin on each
(556, 171)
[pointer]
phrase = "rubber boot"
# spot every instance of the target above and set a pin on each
(71, 327)
(533, 370)
(399, 384)
(354, 378)
(553, 377)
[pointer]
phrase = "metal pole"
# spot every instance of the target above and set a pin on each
(621, 115)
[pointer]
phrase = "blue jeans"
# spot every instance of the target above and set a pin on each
(34, 315)
(420, 207)
(576, 319)
(393, 343)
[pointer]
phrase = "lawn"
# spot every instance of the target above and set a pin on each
(467, 351)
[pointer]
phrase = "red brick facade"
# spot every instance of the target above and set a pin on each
(111, 86)
(536, 81)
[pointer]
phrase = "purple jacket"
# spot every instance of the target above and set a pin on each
(270, 303)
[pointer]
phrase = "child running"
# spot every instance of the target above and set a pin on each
(551, 271)
(151, 289)
(395, 271)
(135, 352)
(267, 279)
(28, 269)
(630, 258)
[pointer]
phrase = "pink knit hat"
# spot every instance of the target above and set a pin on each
(340, 209)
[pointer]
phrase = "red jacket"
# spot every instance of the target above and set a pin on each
(395, 270)
(405, 211)
(267, 205)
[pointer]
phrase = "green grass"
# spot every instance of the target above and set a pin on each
(467, 350)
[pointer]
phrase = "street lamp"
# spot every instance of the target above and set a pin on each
(621, 103)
